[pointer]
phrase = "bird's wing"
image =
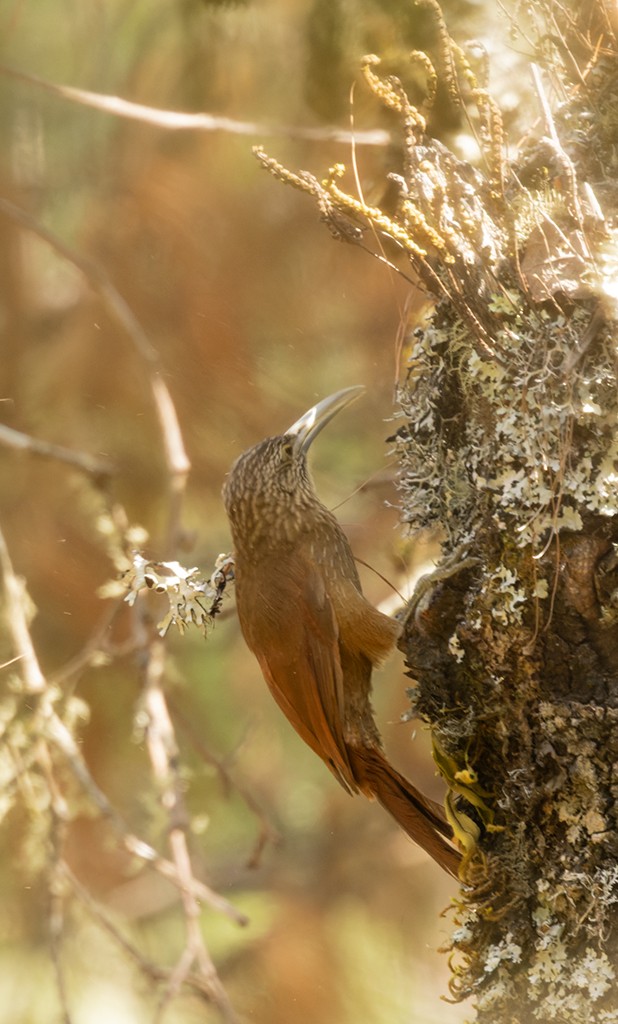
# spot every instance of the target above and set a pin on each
(291, 627)
(363, 629)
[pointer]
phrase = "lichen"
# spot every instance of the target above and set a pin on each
(507, 444)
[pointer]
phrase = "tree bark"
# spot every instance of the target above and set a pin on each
(509, 447)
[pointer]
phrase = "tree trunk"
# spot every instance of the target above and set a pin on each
(509, 446)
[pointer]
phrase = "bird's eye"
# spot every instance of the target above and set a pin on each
(287, 451)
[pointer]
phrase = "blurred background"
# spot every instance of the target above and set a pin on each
(255, 313)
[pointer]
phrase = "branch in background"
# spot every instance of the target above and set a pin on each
(94, 465)
(56, 890)
(151, 969)
(267, 833)
(185, 606)
(164, 757)
(97, 647)
(51, 731)
(34, 680)
(174, 120)
(177, 460)
(60, 735)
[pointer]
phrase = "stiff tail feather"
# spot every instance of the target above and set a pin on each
(422, 819)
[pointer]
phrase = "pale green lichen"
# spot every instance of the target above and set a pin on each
(559, 993)
(192, 600)
(455, 648)
(508, 949)
(508, 595)
(538, 442)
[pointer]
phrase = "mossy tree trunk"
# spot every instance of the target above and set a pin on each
(510, 447)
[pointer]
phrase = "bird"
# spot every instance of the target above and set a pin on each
(314, 634)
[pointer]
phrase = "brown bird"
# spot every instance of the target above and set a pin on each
(314, 634)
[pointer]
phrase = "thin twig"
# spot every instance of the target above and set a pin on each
(267, 833)
(177, 459)
(94, 465)
(136, 846)
(175, 120)
(56, 732)
(35, 683)
(554, 140)
(34, 680)
(160, 735)
(11, 661)
(163, 751)
(59, 818)
(95, 274)
(148, 967)
(95, 644)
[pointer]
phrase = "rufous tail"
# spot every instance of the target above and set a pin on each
(422, 819)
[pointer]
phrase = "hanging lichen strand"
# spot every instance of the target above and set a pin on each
(508, 445)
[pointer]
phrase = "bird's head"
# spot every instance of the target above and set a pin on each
(268, 492)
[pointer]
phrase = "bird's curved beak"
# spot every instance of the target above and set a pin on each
(307, 428)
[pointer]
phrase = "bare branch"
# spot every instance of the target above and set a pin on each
(92, 464)
(148, 967)
(267, 832)
(177, 460)
(61, 736)
(34, 679)
(174, 120)
(163, 751)
(58, 734)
